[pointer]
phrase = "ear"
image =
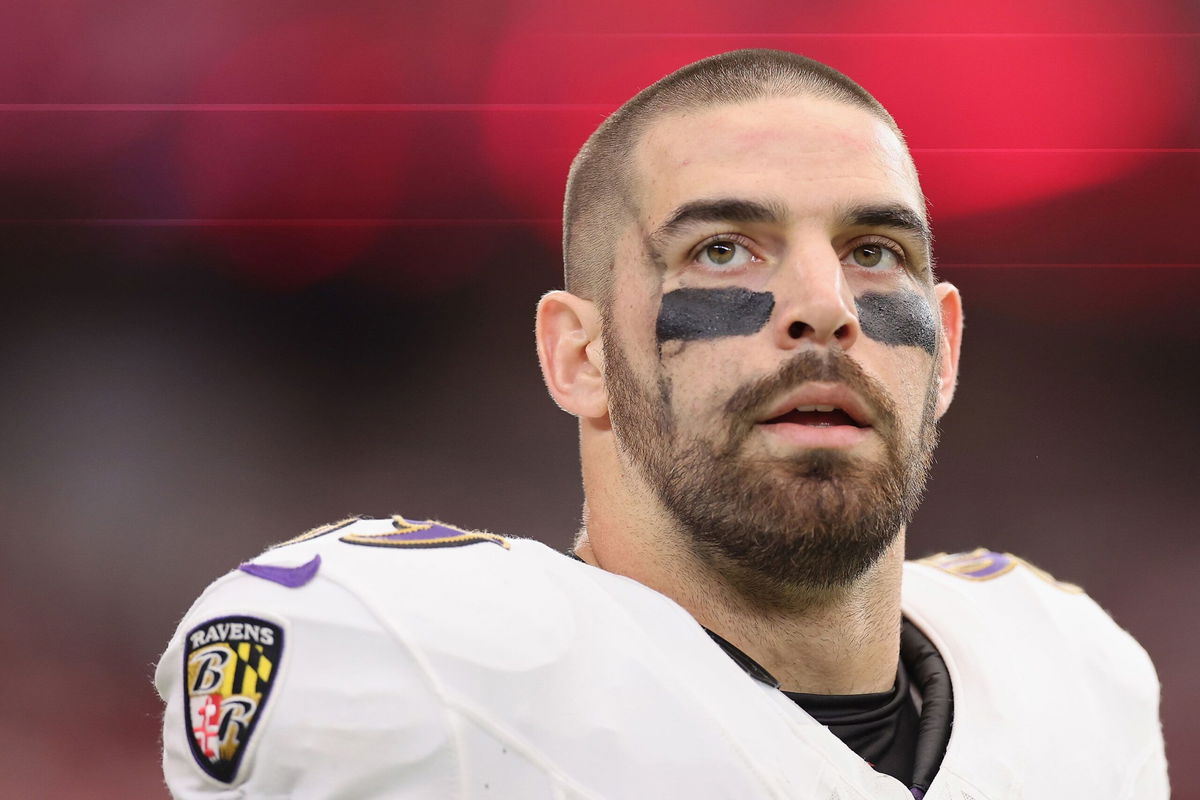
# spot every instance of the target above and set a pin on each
(572, 359)
(950, 305)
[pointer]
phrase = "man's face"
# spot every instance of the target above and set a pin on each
(772, 344)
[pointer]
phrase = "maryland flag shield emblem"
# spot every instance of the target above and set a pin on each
(230, 665)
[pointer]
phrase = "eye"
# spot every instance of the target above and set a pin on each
(876, 256)
(723, 254)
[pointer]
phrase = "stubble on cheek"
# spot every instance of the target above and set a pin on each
(666, 420)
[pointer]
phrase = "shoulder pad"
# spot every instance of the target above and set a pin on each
(398, 532)
(982, 564)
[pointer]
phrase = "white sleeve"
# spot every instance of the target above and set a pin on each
(1150, 780)
(335, 706)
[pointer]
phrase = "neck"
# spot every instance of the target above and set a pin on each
(841, 641)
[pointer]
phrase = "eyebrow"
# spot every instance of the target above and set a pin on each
(723, 209)
(891, 215)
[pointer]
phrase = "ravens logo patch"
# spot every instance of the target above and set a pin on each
(230, 665)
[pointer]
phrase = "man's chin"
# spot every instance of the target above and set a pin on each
(779, 568)
(812, 526)
(813, 470)
(823, 465)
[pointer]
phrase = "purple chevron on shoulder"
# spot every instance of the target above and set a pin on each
(291, 577)
(417, 535)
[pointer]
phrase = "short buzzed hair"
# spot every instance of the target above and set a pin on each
(600, 185)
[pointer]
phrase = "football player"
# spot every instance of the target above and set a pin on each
(758, 352)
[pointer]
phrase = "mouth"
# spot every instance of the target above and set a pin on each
(819, 417)
(816, 416)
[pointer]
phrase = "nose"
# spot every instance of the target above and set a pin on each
(814, 303)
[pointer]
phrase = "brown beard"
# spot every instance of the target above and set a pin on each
(776, 530)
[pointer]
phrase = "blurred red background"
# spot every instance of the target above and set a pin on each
(270, 264)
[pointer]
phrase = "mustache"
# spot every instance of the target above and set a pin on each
(834, 366)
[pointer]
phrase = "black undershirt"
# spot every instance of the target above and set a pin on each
(881, 727)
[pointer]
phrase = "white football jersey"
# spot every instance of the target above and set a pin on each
(396, 659)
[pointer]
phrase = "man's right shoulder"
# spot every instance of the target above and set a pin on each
(352, 633)
(416, 578)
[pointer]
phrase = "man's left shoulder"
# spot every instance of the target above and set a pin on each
(1001, 596)
(1035, 663)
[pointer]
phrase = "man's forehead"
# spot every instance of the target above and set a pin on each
(811, 153)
